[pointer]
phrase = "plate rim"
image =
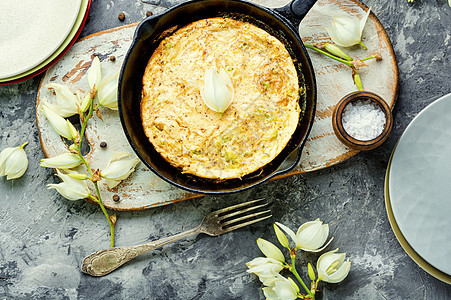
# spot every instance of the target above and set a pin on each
(60, 51)
(390, 211)
(55, 47)
(422, 263)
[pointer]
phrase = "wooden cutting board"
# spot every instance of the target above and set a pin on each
(143, 189)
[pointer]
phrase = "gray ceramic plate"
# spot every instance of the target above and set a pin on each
(420, 184)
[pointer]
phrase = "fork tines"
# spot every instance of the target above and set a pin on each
(243, 214)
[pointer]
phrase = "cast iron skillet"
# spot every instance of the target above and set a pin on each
(147, 37)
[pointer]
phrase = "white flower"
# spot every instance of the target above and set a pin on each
(310, 235)
(218, 90)
(264, 267)
(62, 126)
(107, 93)
(63, 161)
(66, 101)
(280, 288)
(94, 74)
(71, 188)
(347, 32)
(332, 267)
(13, 162)
(270, 250)
(120, 166)
(85, 103)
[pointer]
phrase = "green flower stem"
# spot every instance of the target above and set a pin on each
(363, 46)
(368, 58)
(85, 122)
(24, 145)
(98, 199)
(348, 63)
(295, 273)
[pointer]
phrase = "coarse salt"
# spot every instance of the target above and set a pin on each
(363, 120)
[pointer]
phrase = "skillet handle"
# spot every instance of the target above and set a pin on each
(146, 27)
(290, 162)
(299, 8)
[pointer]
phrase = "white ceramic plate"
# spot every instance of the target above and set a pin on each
(420, 184)
(32, 30)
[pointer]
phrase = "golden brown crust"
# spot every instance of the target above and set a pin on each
(257, 125)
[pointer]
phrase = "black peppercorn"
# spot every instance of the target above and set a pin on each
(121, 17)
(116, 198)
(112, 58)
(149, 13)
(103, 144)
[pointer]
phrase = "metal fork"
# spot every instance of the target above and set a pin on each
(215, 223)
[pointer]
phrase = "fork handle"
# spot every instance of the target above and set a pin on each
(105, 261)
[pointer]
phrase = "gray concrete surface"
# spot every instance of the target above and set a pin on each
(44, 237)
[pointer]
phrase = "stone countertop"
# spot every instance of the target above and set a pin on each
(44, 237)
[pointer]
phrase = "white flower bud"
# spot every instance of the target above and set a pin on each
(71, 188)
(94, 74)
(218, 90)
(347, 32)
(270, 250)
(66, 101)
(78, 176)
(63, 161)
(120, 166)
(107, 93)
(283, 240)
(13, 162)
(333, 49)
(332, 268)
(85, 103)
(280, 288)
(62, 126)
(310, 236)
(264, 267)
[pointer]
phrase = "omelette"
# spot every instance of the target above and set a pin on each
(255, 128)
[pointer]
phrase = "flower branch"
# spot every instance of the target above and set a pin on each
(74, 186)
(311, 237)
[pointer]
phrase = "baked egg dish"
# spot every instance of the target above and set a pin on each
(258, 123)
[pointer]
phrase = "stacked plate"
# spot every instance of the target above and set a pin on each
(36, 34)
(418, 189)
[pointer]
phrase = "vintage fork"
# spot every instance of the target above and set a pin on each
(215, 223)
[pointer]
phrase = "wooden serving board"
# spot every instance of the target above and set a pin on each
(143, 189)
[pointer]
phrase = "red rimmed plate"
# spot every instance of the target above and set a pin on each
(39, 70)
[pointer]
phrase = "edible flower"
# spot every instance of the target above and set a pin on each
(280, 288)
(107, 93)
(62, 126)
(66, 102)
(347, 32)
(332, 267)
(71, 188)
(270, 250)
(62, 161)
(264, 267)
(218, 90)
(310, 235)
(94, 75)
(85, 103)
(13, 162)
(120, 166)
(333, 49)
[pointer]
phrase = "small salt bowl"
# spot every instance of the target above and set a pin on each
(362, 120)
